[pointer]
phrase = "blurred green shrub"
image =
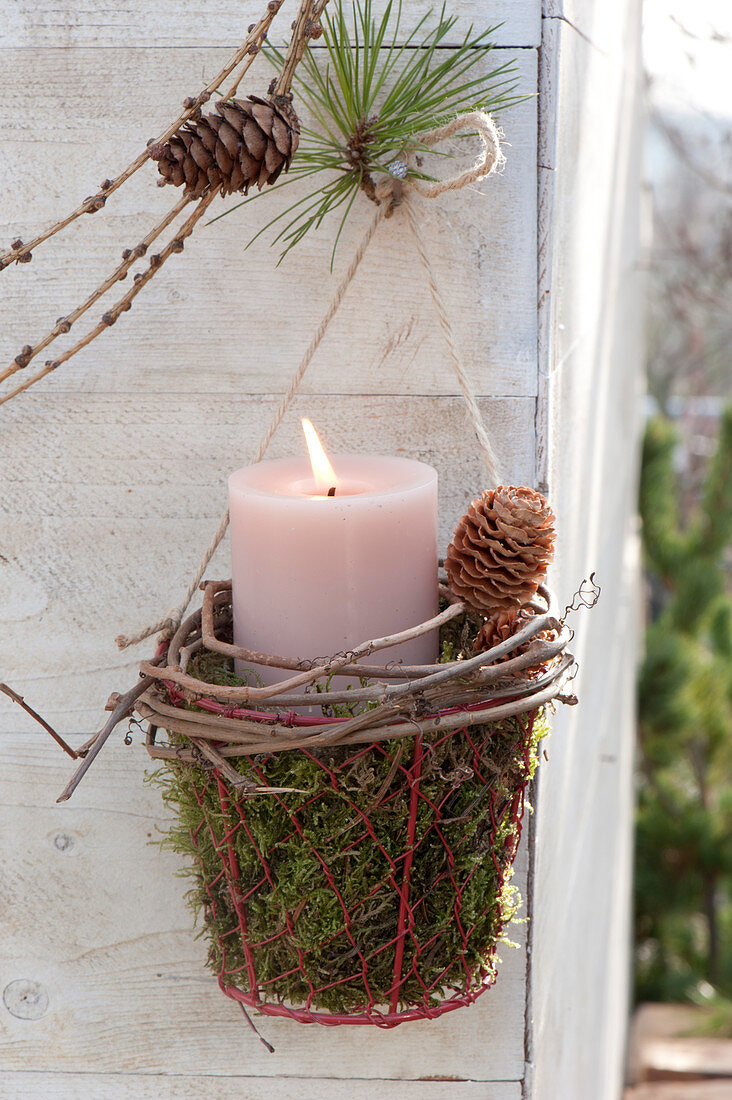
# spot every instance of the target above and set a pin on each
(684, 817)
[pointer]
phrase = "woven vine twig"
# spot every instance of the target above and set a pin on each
(520, 674)
(472, 672)
(305, 27)
(491, 685)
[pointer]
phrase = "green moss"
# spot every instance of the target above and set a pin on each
(349, 831)
(457, 636)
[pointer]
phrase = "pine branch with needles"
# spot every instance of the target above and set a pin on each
(370, 91)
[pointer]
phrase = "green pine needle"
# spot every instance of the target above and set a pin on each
(370, 97)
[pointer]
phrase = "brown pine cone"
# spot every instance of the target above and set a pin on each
(502, 625)
(496, 629)
(501, 549)
(247, 141)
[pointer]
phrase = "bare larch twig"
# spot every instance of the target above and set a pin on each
(21, 252)
(305, 27)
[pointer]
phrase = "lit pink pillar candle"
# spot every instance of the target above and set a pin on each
(314, 575)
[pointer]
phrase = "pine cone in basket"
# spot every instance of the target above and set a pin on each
(502, 625)
(497, 628)
(247, 141)
(501, 549)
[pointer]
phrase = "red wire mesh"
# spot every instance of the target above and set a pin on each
(408, 948)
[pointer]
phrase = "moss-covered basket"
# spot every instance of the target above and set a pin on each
(361, 879)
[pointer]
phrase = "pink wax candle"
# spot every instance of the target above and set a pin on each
(315, 573)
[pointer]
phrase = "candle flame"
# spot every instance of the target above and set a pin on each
(323, 473)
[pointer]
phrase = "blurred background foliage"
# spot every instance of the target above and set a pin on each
(684, 815)
(683, 881)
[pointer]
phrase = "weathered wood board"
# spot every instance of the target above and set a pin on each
(592, 378)
(82, 1086)
(171, 23)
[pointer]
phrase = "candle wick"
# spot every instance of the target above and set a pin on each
(331, 492)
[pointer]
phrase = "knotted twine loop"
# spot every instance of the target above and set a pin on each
(490, 160)
(391, 192)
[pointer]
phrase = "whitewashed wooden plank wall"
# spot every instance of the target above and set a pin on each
(589, 424)
(47, 23)
(113, 473)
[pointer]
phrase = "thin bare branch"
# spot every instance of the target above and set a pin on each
(123, 709)
(305, 27)
(130, 256)
(237, 780)
(248, 61)
(41, 721)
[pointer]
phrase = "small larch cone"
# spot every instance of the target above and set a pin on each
(501, 549)
(247, 141)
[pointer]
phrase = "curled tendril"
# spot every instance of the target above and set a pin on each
(586, 595)
(132, 725)
(326, 661)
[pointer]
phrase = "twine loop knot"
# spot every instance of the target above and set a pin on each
(392, 187)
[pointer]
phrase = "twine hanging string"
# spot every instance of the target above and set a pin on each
(391, 192)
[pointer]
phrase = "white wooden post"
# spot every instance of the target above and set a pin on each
(113, 474)
(588, 426)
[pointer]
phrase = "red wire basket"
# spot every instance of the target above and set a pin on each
(357, 879)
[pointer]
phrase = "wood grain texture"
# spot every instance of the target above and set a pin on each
(591, 360)
(61, 24)
(92, 913)
(207, 315)
(83, 1086)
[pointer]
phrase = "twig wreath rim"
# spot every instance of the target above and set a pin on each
(520, 674)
